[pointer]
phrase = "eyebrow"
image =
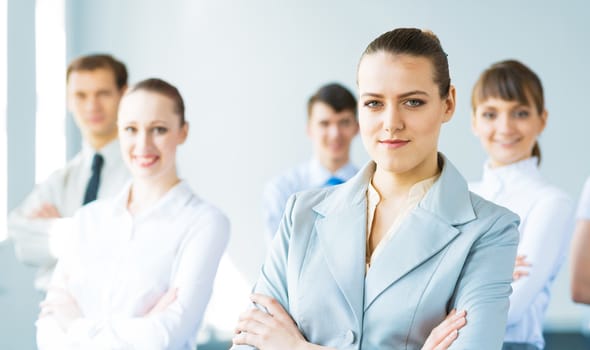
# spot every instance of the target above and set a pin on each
(405, 94)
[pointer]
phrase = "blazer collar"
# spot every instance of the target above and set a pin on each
(341, 228)
(447, 199)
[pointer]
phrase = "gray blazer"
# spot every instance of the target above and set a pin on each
(454, 250)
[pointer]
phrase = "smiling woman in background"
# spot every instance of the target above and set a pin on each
(508, 117)
(379, 261)
(140, 269)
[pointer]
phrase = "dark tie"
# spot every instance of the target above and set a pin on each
(333, 181)
(92, 187)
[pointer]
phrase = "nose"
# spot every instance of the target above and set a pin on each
(504, 123)
(92, 103)
(333, 130)
(143, 142)
(392, 120)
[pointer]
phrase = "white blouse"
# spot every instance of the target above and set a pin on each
(547, 217)
(584, 204)
(119, 265)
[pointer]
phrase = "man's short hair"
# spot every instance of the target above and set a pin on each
(92, 62)
(334, 95)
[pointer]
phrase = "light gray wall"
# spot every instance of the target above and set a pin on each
(246, 69)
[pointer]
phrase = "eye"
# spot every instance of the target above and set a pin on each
(372, 104)
(104, 93)
(488, 115)
(130, 129)
(414, 103)
(345, 122)
(521, 114)
(160, 130)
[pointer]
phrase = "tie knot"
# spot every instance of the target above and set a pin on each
(97, 162)
(333, 181)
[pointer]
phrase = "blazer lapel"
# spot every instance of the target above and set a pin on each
(426, 230)
(342, 237)
(418, 238)
(341, 229)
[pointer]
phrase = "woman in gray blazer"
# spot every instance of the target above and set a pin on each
(378, 262)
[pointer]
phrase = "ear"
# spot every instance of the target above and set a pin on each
(473, 123)
(183, 132)
(449, 104)
(544, 117)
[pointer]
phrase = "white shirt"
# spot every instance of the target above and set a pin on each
(584, 204)
(119, 265)
(303, 177)
(546, 215)
(64, 189)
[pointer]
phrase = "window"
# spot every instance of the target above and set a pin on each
(50, 66)
(3, 136)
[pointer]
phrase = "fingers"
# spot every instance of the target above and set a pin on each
(165, 300)
(245, 338)
(45, 211)
(255, 315)
(273, 307)
(249, 326)
(447, 331)
(518, 274)
(168, 298)
(521, 261)
(447, 341)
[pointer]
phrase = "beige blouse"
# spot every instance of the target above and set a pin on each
(417, 192)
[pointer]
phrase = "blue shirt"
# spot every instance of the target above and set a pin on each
(306, 176)
(546, 222)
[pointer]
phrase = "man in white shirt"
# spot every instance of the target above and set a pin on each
(331, 126)
(95, 85)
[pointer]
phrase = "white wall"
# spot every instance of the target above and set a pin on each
(246, 69)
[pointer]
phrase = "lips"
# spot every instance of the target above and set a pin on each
(394, 143)
(507, 143)
(145, 161)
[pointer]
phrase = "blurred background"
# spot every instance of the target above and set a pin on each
(246, 69)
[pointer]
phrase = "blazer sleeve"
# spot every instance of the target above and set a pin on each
(273, 276)
(483, 288)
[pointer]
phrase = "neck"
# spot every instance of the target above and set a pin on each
(333, 165)
(394, 185)
(97, 142)
(145, 193)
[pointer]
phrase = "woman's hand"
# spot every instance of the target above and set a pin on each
(62, 306)
(521, 267)
(165, 300)
(268, 326)
(443, 335)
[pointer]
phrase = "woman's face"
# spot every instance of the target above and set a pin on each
(149, 132)
(507, 129)
(401, 111)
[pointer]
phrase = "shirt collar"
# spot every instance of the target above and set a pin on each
(169, 204)
(416, 193)
(110, 152)
(511, 173)
(318, 174)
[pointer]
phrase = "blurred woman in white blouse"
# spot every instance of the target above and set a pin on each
(140, 268)
(508, 116)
